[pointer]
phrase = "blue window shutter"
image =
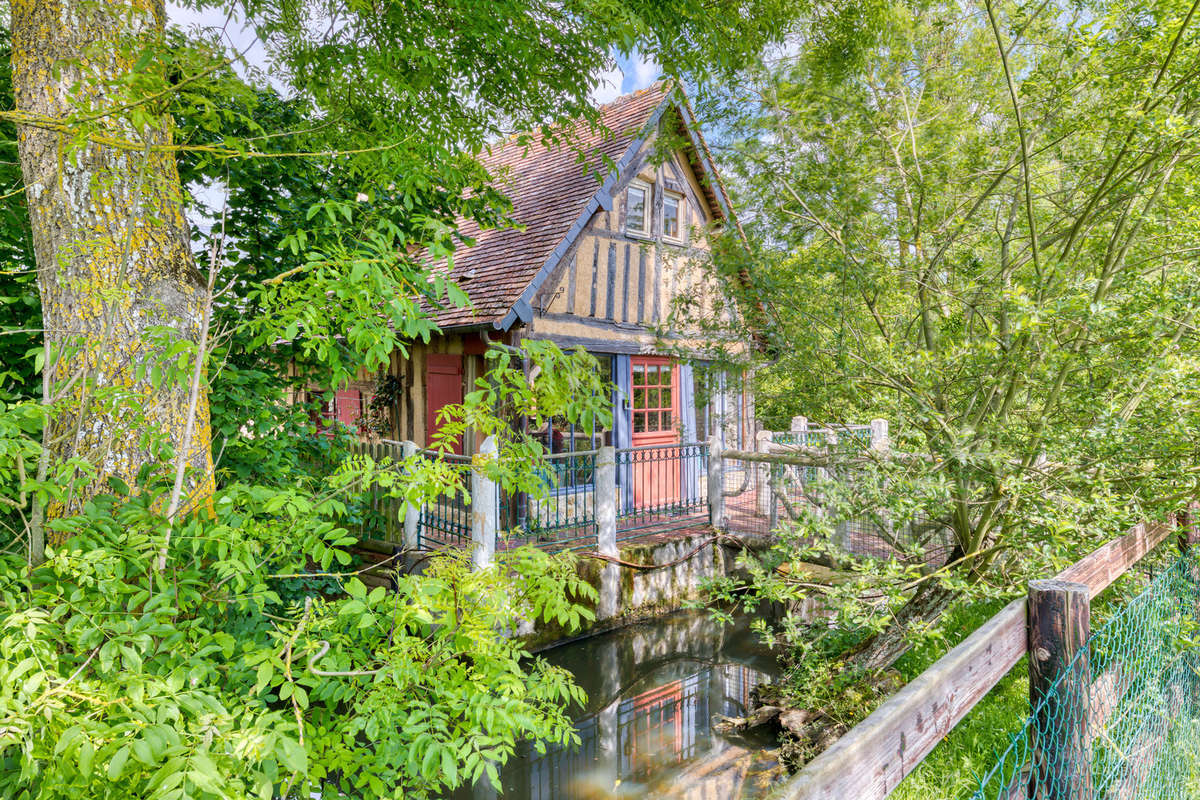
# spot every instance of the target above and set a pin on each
(623, 428)
(687, 402)
(689, 475)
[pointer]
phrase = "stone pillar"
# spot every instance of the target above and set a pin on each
(605, 489)
(762, 444)
(799, 424)
(831, 446)
(412, 514)
(485, 502)
(716, 483)
(879, 435)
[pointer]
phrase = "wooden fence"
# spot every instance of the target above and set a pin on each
(869, 762)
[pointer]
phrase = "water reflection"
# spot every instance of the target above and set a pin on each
(653, 690)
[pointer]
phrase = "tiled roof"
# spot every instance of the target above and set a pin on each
(549, 188)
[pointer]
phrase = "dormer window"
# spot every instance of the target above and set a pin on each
(672, 218)
(637, 209)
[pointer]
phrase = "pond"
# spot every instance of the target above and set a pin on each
(653, 689)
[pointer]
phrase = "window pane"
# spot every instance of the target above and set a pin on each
(666, 397)
(639, 421)
(652, 399)
(671, 217)
(639, 398)
(635, 213)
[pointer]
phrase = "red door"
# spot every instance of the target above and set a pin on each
(347, 407)
(655, 385)
(443, 387)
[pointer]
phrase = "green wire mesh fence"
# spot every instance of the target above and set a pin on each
(1122, 720)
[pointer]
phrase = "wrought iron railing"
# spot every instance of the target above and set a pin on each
(661, 486)
(563, 514)
(447, 518)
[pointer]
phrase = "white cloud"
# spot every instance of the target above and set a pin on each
(645, 71)
(609, 87)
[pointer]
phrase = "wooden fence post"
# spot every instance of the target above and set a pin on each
(716, 483)
(412, 514)
(1189, 529)
(485, 502)
(1059, 626)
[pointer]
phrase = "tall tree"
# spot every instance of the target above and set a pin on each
(119, 289)
(984, 232)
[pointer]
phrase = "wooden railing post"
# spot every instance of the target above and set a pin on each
(412, 514)
(716, 483)
(485, 502)
(1059, 682)
(606, 500)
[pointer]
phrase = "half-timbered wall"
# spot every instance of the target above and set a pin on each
(612, 293)
(411, 408)
(615, 289)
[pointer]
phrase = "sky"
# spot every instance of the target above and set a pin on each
(629, 73)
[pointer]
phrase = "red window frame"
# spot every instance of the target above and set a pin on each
(655, 395)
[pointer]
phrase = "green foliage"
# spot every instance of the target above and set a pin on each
(121, 681)
(999, 271)
(229, 651)
(20, 310)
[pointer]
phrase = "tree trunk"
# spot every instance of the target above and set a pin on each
(882, 650)
(115, 270)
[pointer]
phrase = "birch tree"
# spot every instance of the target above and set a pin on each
(122, 298)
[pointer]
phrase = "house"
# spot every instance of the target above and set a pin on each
(600, 258)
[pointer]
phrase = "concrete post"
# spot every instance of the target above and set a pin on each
(485, 502)
(412, 514)
(879, 435)
(799, 423)
(762, 444)
(606, 500)
(831, 446)
(716, 484)
(605, 494)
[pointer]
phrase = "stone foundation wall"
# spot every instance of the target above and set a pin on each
(628, 595)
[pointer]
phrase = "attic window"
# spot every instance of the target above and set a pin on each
(637, 209)
(671, 218)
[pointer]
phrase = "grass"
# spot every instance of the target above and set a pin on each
(953, 769)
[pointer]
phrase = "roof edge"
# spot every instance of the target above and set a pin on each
(522, 309)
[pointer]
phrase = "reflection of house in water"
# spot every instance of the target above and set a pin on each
(640, 739)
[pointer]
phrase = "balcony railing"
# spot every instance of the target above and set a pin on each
(661, 486)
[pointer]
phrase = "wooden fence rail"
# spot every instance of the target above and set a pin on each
(869, 762)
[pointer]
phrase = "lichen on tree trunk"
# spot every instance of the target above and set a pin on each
(116, 275)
